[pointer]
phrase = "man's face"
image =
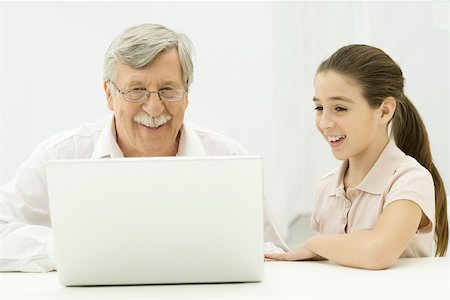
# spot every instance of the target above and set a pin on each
(166, 118)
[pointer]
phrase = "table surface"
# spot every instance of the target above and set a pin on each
(418, 278)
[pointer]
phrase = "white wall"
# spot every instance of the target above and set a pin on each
(255, 64)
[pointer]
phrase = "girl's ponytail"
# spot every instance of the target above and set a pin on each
(411, 137)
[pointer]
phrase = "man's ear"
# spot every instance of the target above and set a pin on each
(387, 109)
(107, 89)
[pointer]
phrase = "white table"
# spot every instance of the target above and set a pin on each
(423, 278)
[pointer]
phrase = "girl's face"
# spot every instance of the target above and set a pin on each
(344, 117)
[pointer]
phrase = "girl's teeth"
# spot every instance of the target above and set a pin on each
(335, 138)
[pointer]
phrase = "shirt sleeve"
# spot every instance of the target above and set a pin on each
(26, 242)
(26, 248)
(314, 222)
(320, 192)
(413, 182)
(271, 233)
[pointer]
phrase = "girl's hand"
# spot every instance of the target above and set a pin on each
(301, 253)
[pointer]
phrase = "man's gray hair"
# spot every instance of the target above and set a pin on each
(138, 46)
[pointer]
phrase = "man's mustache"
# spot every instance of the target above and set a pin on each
(152, 122)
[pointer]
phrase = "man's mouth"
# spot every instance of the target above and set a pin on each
(150, 127)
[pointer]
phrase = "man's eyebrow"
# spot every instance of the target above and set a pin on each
(170, 81)
(134, 82)
(138, 82)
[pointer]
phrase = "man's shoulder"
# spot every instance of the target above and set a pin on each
(216, 143)
(83, 138)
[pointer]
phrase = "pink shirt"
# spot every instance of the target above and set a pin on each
(394, 176)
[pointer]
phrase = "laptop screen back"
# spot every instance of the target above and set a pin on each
(157, 220)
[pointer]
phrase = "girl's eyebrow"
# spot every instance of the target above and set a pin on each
(340, 98)
(336, 98)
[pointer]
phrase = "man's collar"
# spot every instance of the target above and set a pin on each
(379, 174)
(107, 147)
(190, 143)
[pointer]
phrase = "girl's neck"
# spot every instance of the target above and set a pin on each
(360, 165)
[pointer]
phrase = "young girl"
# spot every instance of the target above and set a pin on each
(387, 198)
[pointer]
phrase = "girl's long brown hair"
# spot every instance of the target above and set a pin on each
(380, 77)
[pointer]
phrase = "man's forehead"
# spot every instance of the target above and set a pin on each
(146, 75)
(147, 80)
(136, 77)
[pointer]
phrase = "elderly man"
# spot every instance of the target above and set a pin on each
(147, 73)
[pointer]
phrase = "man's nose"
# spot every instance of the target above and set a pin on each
(153, 106)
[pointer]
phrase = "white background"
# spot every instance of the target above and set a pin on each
(253, 77)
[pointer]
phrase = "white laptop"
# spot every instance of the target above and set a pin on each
(157, 220)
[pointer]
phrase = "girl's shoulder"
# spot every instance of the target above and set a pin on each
(410, 172)
(330, 175)
(330, 181)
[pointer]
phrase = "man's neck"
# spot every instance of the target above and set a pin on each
(149, 151)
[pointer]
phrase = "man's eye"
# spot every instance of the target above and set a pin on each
(166, 89)
(138, 89)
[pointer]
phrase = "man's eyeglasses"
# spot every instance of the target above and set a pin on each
(141, 95)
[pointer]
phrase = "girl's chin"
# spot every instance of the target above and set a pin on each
(339, 156)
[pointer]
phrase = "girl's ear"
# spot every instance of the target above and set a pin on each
(387, 109)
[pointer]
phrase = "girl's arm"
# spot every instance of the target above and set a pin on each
(377, 248)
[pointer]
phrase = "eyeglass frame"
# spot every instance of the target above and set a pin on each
(149, 93)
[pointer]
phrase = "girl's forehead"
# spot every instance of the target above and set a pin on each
(331, 85)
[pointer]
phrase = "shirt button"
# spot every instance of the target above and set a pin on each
(353, 194)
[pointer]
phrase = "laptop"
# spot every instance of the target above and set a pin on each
(159, 220)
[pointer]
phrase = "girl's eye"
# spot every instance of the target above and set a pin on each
(318, 108)
(340, 108)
